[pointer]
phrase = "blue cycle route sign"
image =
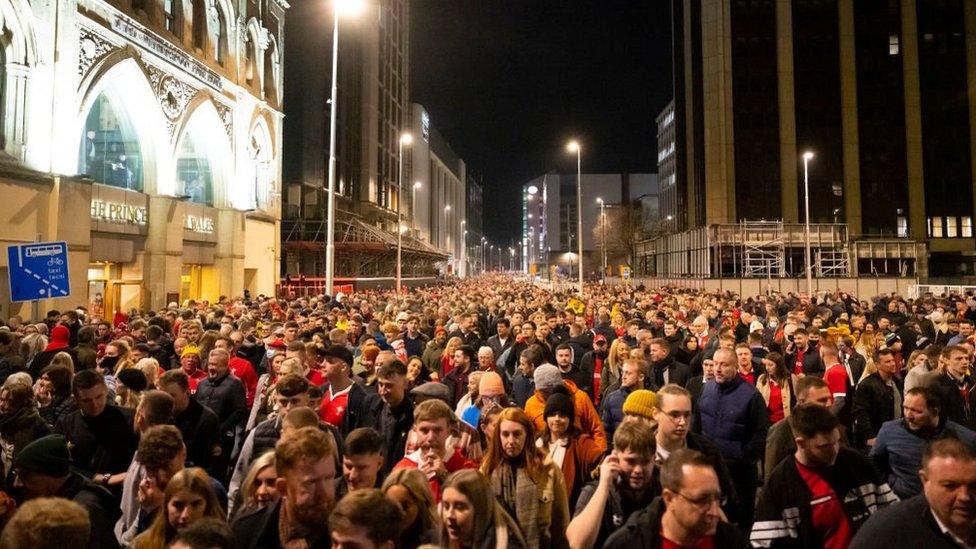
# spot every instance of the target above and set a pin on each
(38, 271)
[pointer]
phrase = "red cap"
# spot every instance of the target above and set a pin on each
(600, 337)
(278, 344)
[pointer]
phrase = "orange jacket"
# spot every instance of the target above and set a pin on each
(587, 420)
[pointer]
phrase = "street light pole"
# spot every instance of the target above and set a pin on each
(807, 156)
(484, 267)
(447, 229)
(574, 146)
(405, 139)
(464, 246)
(603, 238)
(413, 202)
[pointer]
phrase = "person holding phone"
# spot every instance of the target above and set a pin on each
(625, 486)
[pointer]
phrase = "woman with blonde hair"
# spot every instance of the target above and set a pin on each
(447, 359)
(189, 497)
(259, 489)
(410, 491)
(619, 352)
(63, 359)
(775, 385)
(471, 517)
(526, 482)
(150, 368)
(32, 345)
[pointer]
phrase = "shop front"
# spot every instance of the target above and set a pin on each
(119, 226)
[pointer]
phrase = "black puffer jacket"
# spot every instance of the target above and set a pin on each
(643, 529)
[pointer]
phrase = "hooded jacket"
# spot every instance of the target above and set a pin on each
(587, 420)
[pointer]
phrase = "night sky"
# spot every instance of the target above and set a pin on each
(508, 82)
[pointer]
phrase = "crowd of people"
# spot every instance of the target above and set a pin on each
(492, 412)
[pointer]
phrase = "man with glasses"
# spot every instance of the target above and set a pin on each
(822, 494)
(673, 417)
(688, 512)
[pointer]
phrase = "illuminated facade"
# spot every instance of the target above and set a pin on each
(146, 134)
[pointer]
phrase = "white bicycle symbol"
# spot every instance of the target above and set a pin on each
(55, 261)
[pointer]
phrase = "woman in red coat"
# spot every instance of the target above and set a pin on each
(575, 453)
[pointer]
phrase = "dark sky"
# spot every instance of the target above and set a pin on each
(508, 82)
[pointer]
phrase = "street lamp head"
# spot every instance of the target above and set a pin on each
(808, 155)
(417, 184)
(670, 217)
(573, 146)
(599, 200)
(464, 222)
(406, 138)
(447, 208)
(349, 8)
(533, 189)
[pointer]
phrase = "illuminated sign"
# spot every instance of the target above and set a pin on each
(199, 224)
(425, 125)
(119, 213)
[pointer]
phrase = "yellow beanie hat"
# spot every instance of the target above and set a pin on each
(641, 402)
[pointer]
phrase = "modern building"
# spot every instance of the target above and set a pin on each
(373, 111)
(147, 136)
(671, 201)
(881, 92)
(550, 222)
(435, 202)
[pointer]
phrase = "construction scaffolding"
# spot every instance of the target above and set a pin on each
(773, 249)
(361, 250)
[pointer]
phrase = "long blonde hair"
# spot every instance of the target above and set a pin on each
(64, 359)
(193, 480)
(612, 359)
(264, 461)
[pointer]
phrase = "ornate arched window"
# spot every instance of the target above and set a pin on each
(110, 151)
(271, 74)
(262, 167)
(221, 39)
(194, 174)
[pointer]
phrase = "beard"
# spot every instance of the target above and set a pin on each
(313, 516)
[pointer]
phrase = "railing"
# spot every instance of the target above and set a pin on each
(939, 289)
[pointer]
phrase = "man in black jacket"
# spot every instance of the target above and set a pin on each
(802, 356)
(305, 462)
(101, 435)
(687, 514)
(43, 470)
(503, 338)
(943, 516)
(346, 403)
(822, 494)
(956, 388)
(198, 425)
(664, 367)
(564, 360)
(877, 399)
(396, 416)
(225, 396)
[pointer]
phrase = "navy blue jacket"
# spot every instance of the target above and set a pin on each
(733, 415)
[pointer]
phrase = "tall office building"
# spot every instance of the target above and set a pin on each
(883, 92)
(373, 111)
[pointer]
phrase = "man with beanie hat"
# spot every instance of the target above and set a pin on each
(547, 377)
(632, 376)
(133, 379)
(640, 404)
(190, 364)
(43, 469)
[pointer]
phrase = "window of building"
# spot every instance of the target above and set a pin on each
(259, 152)
(902, 226)
(894, 45)
(110, 152)
(951, 227)
(220, 38)
(967, 227)
(194, 176)
(199, 24)
(173, 12)
(936, 223)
